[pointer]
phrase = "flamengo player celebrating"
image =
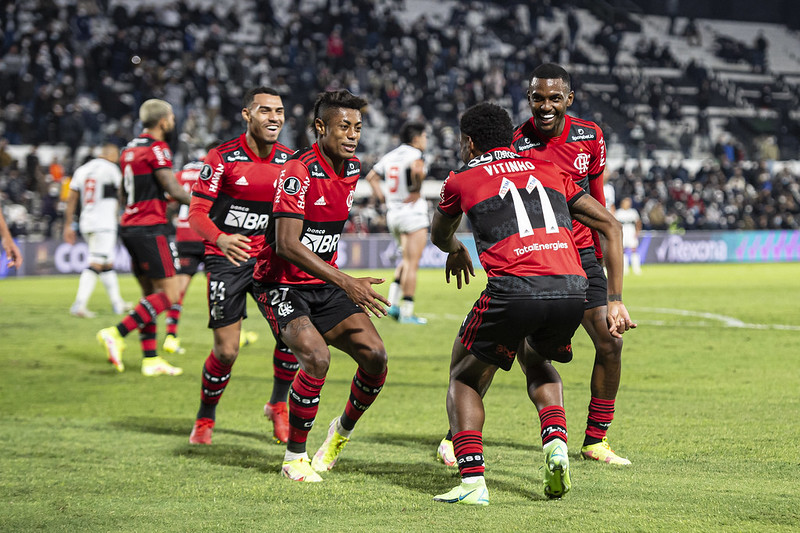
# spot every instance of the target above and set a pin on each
(231, 204)
(146, 175)
(577, 146)
(305, 298)
(520, 211)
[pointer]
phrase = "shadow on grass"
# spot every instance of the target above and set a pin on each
(431, 440)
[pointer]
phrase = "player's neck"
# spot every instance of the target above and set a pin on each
(155, 133)
(261, 148)
(336, 163)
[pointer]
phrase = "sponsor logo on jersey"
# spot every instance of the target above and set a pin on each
(539, 246)
(582, 163)
(212, 187)
(526, 144)
(352, 170)
(481, 159)
(321, 201)
(280, 157)
(583, 135)
(242, 181)
(291, 185)
(240, 217)
(316, 172)
(128, 156)
(238, 155)
(320, 244)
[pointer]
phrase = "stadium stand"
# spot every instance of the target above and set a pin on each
(701, 115)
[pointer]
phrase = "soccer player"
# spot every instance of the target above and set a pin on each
(146, 164)
(520, 212)
(402, 171)
(578, 147)
(231, 204)
(305, 298)
(628, 216)
(96, 186)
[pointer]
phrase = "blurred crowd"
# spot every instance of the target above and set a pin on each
(73, 73)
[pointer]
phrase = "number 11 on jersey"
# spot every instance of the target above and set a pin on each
(523, 221)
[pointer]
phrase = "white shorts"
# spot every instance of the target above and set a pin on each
(408, 217)
(630, 242)
(102, 245)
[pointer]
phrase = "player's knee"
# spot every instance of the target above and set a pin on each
(315, 362)
(609, 350)
(374, 359)
(227, 355)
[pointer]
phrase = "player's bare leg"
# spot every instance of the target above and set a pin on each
(413, 245)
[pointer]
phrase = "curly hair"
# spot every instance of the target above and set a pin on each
(488, 125)
(335, 100)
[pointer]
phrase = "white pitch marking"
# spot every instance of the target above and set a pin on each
(727, 321)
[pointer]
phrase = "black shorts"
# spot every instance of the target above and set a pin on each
(494, 328)
(153, 255)
(324, 304)
(190, 255)
(597, 291)
(228, 287)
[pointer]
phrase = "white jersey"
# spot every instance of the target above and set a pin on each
(628, 218)
(395, 167)
(97, 182)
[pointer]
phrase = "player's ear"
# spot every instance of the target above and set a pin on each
(246, 114)
(570, 97)
(319, 126)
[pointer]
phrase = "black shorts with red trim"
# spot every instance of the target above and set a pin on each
(597, 291)
(495, 327)
(153, 255)
(324, 304)
(228, 287)
(190, 255)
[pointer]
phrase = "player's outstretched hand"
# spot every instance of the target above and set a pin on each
(361, 292)
(458, 263)
(235, 247)
(619, 321)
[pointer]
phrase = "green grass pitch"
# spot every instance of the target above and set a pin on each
(707, 411)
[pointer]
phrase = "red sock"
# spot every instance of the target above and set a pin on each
(468, 447)
(363, 391)
(147, 338)
(554, 423)
(145, 311)
(303, 406)
(215, 378)
(601, 413)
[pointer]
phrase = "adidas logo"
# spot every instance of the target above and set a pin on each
(242, 181)
(321, 201)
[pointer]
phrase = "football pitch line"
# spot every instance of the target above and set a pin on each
(708, 319)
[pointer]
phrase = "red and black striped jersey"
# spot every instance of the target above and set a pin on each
(146, 203)
(310, 190)
(519, 213)
(580, 150)
(240, 186)
(187, 177)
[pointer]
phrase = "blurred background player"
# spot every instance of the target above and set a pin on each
(305, 298)
(631, 229)
(146, 164)
(96, 186)
(533, 301)
(13, 255)
(402, 171)
(231, 205)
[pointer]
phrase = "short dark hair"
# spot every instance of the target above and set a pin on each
(552, 71)
(409, 130)
(336, 99)
(250, 95)
(488, 125)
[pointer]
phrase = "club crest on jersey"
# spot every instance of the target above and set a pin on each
(291, 185)
(582, 162)
(350, 198)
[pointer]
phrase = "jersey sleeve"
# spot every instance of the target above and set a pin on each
(209, 182)
(379, 167)
(161, 156)
(597, 164)
(76, 183)
(450, 203)
(290, 194)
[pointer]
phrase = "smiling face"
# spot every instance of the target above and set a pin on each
(264, 117)
(338, 132)
(549, 99)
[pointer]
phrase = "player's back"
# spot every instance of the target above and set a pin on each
(518, 211)
(97, 181)
(395, 167)
(146, 203)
